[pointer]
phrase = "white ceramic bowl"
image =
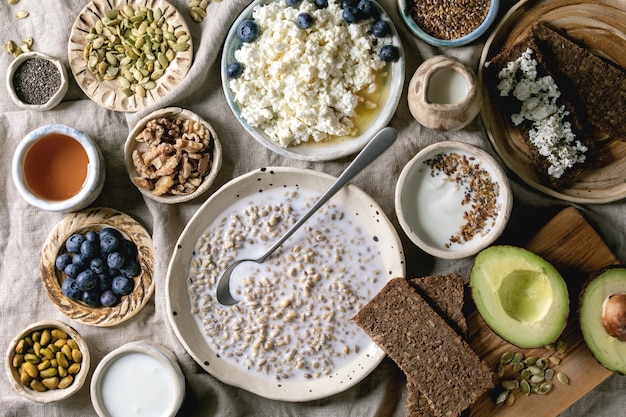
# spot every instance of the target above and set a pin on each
(92, 185)
(444, 94)
(138, 375)
(405, 11)
(430, 194)
(245, 190)
(53, 394)
(389, 97)
(215, 149)
(54, 99)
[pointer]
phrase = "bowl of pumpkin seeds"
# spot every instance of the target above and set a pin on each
(126, 55)
(47, 361)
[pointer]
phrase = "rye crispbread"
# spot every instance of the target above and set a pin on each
(436, 360)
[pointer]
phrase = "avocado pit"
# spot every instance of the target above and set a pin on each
(614, 316)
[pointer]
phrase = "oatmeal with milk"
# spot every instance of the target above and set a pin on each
(293, 320)
(306, 69)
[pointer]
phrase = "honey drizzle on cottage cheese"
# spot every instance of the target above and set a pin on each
(294, 318)
(300, 85)
(551, 133)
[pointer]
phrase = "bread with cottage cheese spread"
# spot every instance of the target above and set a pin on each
(523, 84)
(598, 85)
(436, 360)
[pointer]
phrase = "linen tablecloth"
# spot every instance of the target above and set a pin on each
(24, 229)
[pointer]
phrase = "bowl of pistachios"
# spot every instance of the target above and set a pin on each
(47, 361)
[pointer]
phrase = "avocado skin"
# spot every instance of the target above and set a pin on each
(607, 351)
(505, 281)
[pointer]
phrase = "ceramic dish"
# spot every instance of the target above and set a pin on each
(55, 99)
(96, 219)
(240, 191)
(119, 389)
(214, 151)
(107, 93)
(77, 379)
(387, 99)
(601, 27)
(433, 206)
(405, 11)
(42, 177)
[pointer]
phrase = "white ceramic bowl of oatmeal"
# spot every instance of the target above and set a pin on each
(176, 166)
(291, 337)
(299, 97)
(453, 199)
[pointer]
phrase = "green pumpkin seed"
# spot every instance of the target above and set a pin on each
(564, 379)
(509, 384)
(524, 387)
(554, 360)
(501, 398)
(531, 360)
(544, 388)
(561, 346)
(549, 374)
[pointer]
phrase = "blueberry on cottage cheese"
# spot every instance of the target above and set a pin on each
(247, 31)
(304, 20)
(389, 53)
(365, 7)
(321, 4)
(294, 3)
(381, 28)
(234, 70)
(350, 14)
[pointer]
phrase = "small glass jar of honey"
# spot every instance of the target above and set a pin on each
(58, 168)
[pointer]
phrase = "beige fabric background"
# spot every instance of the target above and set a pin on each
(23, 229)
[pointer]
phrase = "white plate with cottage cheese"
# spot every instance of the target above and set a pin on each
(291, 336)
(312, 88)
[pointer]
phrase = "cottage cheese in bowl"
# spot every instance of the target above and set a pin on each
(314, 93)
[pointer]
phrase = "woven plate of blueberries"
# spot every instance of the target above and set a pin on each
(97, 266)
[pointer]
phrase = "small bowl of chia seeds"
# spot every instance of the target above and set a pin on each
(447, 23)
(36, 81)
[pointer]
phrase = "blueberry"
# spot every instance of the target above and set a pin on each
(350, 14)
(92, 236)
(108, 243)
(62, 261)
(87, 280)
(349, 3)
(91, 298)
(248, 30)
(105, 282)
(131, 269)
(294, 3)
(110, 231)
(72, 270)
(234, 70)
(109, 298)
(80, 261)
(321, 4)
(99, 266)
(122, 285)
(304, 20)
(128, 248)
(70, 289)
(72, 244)
(365, 6)
(389, 53)
(90, 249)
(115, 260)
(381, 28)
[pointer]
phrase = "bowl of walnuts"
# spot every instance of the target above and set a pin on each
(172, 155)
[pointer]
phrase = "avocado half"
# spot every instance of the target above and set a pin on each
(520, 295)
(603, 318)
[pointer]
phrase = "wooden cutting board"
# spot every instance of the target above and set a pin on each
(576, 251)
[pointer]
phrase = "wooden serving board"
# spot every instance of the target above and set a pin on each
(576, 251)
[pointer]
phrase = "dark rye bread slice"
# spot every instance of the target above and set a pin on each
(512, 105)
(596, 84)
(433, 356)
(445, 294)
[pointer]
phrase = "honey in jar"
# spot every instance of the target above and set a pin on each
(55, 167)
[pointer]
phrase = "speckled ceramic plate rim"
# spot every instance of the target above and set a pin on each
(97, 218)
(316, 151)
(528, 10)
(106, 93)
(177, 296)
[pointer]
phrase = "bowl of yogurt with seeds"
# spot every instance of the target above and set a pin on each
(313, 80)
